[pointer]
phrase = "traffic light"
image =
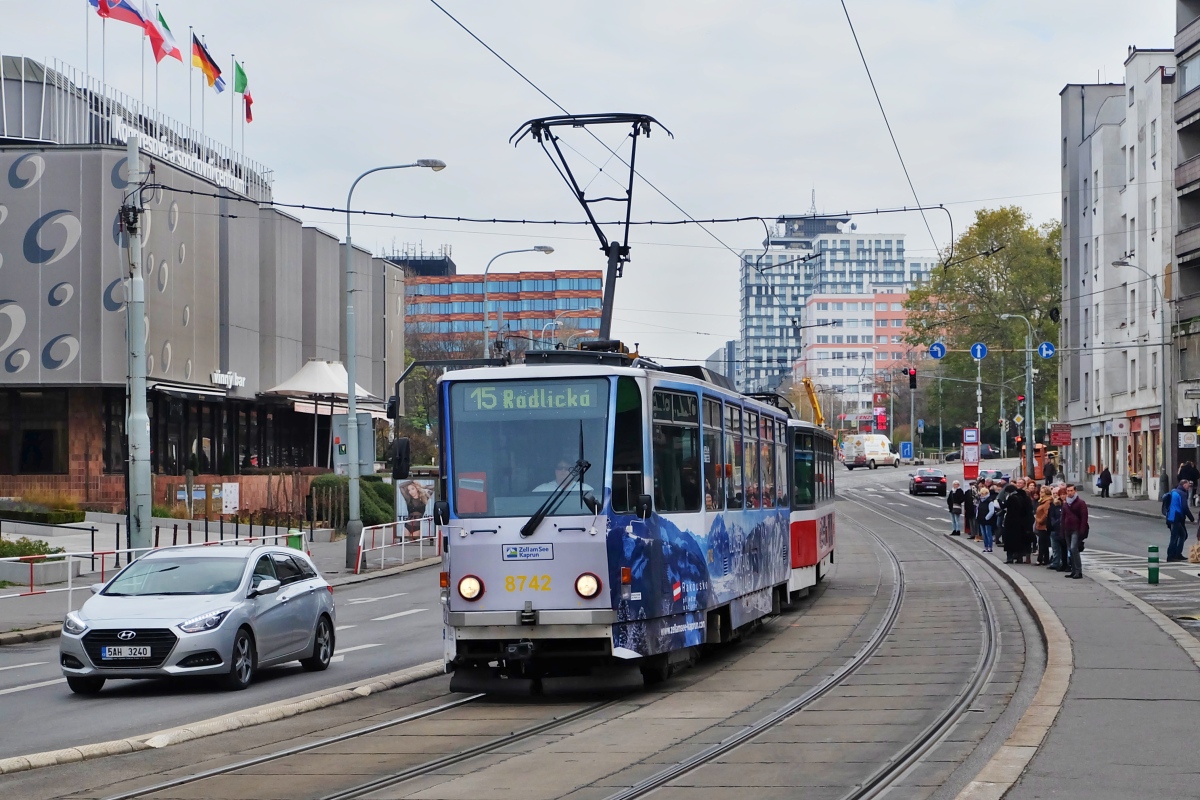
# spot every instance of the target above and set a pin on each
(1020, 398)
(912, 377)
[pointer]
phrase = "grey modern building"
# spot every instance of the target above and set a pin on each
(239, 296)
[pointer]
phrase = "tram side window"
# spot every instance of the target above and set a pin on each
(627, 446)
(805, 479)
(781, 466)
(676, 452)
(733, 457)
(714, 461)
(751, 449)
(767, 449)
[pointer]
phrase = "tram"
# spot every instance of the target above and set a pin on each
(603, 513)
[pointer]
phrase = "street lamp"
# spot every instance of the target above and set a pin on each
(1029, 427)
(1164, 468)
(577, 334)
(538, 248)
(354, 521)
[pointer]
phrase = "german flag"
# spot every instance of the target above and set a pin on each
(201, 59)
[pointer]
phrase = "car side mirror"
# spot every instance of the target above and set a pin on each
(441, 512)
(645, 506)
(589, 500)
(97, 588)
(265, 586)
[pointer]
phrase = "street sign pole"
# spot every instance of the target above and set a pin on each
(1029, 428)
(978, 393)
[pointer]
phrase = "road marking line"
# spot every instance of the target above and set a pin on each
(345, 650)
(360, 600)
(32, 686)
(30, 664)
(337, 659)
(344, 627)
(400, 614)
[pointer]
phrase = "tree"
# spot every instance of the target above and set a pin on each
(1002, 264)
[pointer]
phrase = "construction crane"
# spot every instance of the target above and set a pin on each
(811, 391)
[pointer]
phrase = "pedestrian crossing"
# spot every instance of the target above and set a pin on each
(1177, 593)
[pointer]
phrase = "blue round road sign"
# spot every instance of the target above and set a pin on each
(1046, 350)
(937, 350)
(979, 350)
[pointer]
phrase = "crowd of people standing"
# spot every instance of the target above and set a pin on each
(1047, 522)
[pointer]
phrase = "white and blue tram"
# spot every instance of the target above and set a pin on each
(602, 511)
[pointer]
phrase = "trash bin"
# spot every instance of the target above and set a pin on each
(295, 539)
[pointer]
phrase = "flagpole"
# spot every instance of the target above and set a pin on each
(87, 39)
(191, 64)
(233, 103)
(104, 71)
(143, 58)
(156, 62)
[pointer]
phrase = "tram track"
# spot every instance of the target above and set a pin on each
(891, 771)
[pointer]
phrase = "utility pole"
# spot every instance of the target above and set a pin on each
(1029, 465)
(137, 427)
(941, 449)
(978, 392)
(1003, 419)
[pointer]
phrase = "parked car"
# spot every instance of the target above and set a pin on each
(927, 481)
(226, 611)
(989, 451)
(953, 455)
(995, 474)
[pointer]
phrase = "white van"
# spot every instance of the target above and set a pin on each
(871, 450)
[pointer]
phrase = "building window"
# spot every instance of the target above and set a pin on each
(33, 432)
(1153, 137)
(1130, 95)
(1153, 216)
(1132, 235)
(1132, 162)
(114, 430)
(1189, 75)
(1095, 187)
(897, 323)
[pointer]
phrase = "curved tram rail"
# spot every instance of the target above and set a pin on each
(894, 768)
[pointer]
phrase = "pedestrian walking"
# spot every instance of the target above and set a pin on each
(1075, 529)
(1104, 481)
(1058, 545)
(955, 501)
(1018, 524)
(1049, 470)
(1041, 525)
(1176, 510)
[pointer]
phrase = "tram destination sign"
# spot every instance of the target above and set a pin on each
(571, 398)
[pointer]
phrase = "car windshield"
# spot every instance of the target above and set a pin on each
(514, 442)
(162, 576)
(932, 473)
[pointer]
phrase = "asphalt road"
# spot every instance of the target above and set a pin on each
(382, 626)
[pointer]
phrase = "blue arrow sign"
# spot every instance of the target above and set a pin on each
(906, 450)
(979, 350)
(937, 350)
(1046, 350)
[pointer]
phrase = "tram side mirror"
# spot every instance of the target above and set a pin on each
(589, 500)
(441, 512)
(645, 506)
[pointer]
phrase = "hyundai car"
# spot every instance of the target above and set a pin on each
(223, 611)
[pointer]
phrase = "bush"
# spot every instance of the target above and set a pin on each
(43, 516)
(375, 509)
(173, 511)
(26, 547)
(50, 499)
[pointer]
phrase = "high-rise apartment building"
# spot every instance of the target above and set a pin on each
(806, 256)
(1117, 247)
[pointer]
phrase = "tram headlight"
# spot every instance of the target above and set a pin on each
(470, 588)
(587, 586)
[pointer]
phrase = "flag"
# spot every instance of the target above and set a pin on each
(249, 101)
(120, 10)
(161, 39)
(204, 61)
(239, 78)
(101, 7)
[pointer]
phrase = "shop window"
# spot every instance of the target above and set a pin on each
(33, 432)
(114, 430)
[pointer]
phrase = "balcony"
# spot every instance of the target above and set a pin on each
(1188, 172)
(1187, 37)
(1187, 105)
(1187, 244)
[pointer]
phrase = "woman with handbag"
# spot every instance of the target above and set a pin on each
(955, 501)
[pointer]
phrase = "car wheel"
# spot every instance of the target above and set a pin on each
(896, 463)
(241, 666)
(871, 464)
(86, 685)
(322, 651)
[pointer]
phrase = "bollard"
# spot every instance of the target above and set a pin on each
(1152, 567)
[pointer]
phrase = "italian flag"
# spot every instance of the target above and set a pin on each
(162, 42)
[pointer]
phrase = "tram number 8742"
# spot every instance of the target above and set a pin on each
(519, 583)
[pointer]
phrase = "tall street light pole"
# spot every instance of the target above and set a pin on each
(137, 427)
(354, 522)
(540, 248)
(1165, 428)
(1029, 427)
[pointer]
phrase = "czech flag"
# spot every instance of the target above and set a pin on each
(201, 59)
(161, 39)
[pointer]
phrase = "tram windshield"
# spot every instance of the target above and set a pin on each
(513, 443)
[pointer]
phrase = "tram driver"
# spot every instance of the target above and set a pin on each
(561, 469)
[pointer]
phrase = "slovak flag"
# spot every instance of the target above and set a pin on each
(120, 10)
(677, 591)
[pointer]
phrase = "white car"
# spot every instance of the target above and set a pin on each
(870, 450)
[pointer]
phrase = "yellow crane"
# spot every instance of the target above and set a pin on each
(811, 391)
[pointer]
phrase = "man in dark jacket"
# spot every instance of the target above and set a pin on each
(1075, 529)
(1104, 481)
(1018, 524)
(955, 502)
(1176, 504)
(1050, 470)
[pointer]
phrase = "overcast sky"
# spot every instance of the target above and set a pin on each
(767, 100)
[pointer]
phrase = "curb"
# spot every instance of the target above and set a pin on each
(1130, 511)
(54, 630)
(259, 715)
(1007, 765)
(1187, 641)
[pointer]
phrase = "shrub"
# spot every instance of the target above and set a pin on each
(26, 547)
(374, 497)
(173, 511)
(19, 512)
(51, 499)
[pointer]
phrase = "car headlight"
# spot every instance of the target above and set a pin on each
(74, 624)
(470, 588)
(204, 622)
(587, 586)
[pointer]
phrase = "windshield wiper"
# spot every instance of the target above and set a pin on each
(551, 504)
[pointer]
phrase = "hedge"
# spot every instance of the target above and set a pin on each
(374, 497)
(55, 517)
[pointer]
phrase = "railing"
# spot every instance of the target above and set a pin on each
(397, 536)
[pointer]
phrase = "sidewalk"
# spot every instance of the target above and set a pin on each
(1126, 726)
(1123, 505)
